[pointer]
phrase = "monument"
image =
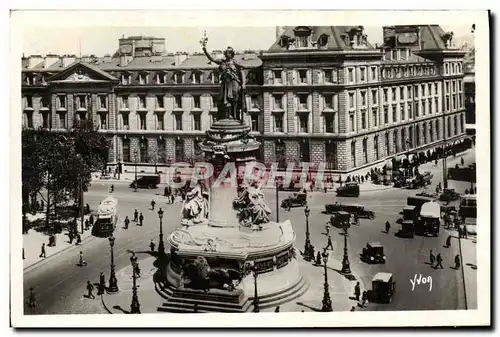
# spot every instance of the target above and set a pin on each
(228, 256)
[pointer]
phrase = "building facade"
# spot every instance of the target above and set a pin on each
(318, 95)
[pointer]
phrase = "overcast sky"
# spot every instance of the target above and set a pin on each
(104, 40)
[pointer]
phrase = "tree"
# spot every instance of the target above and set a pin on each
(59, 162)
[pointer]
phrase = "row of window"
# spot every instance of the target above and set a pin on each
(180, 77)
(143, 155)
(303, 76)
(80, 102)
(401, 71)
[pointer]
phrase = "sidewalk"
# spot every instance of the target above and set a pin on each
(32, 243)
(340, 288)
(149, 299)
(469, 263)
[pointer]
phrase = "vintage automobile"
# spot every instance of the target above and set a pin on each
(470, 226)
(449, 195)
(295, 200)
(348, 190)
(430, 219)
(426, 194)
(408, 213)
(421, 180)
(373, 253)
(407, 229)
(383, 288)
(402, 182)
(340, 219)
(357, 210)
(146, 181)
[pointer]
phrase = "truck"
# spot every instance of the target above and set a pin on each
(430, 219)
(418, 201)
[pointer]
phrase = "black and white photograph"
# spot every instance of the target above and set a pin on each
(321, 174)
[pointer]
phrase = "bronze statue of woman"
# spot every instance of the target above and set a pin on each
(232, 84)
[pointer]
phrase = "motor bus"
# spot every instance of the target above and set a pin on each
(468, 206)
(107, 217)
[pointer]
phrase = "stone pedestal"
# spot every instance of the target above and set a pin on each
(235, 253)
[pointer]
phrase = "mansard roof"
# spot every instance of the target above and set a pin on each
(337, 38)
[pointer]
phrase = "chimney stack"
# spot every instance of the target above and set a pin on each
(180, 57)
(34, 60)
(50, 60)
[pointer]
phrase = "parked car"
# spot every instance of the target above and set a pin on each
(449, 195)
(383, 288)
(357, 210)
(373, 253)
(295, 200)
(339, 219)
(348, 190)
(292, 187)
(421, 180)
(146, 181)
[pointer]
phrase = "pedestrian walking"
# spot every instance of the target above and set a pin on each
(23, 254)
(277, 309)
(329, 245)
(439, 261)
(448, 241)
(91, 219)
(357, 291)
(137, 270)
(436, 162)
(78, 239)
(126, 221)
(70, 236)
(432, 258)
(141, 219)
(136, 214)
(457, 261)
(152, 245)
(87, 224)
(81, 261)
(462, 161)
(364, 298)
(464, 232)
(90, 288)
(102, 284)
(32, 299)
(43, 253)
(153, 203)
(327, 227)
(387, 227)
(87, 208)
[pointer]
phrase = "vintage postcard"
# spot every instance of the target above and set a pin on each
(299, 168)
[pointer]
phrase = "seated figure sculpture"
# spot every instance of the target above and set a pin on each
(195, 207)
(251, 207)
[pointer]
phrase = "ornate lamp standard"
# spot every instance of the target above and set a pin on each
(135, 171)
(113, 284)
(307, 247)
(253, 269)
(161, 245)
(346, 266)
(135, 306)
(327, 301)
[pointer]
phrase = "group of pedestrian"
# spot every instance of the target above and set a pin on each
(438, 260)
(357, 293)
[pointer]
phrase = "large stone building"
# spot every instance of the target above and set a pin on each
(319, 94)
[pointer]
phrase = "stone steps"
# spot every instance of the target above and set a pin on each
(185, 301)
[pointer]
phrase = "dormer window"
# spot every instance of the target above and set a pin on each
(161, 78)
(214, 78)
(126, 79)
(197, 78)
(302, 35)
(323, 40)
(179, 78)
(143, 79)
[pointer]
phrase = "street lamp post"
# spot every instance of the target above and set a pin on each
(113, 284)
(308, 256)
(135, 306)
(276, 180)
(256, 308)
(135, 171)
(346, 266)
(327, 301)
(161, 245)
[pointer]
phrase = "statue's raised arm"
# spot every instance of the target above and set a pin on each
(203, 43)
